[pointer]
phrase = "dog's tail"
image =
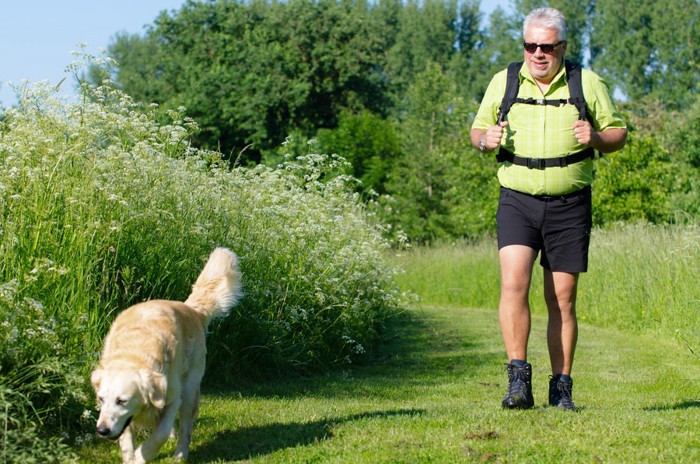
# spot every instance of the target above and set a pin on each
(218, 287)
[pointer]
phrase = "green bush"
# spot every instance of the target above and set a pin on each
(634, 184)
(682, 136)
(317, 284)
(20, 441)
(369, 143)
(102, 206)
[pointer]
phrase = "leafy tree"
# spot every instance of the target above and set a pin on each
(435, 116)
(188, 59)
(682, 137)
(252, 72)
(434, 31)
(425, 34)
(472, 194)
(371, 144)
(633, 184)
(467, 65)
(635, 48)
(499, 46)
(467, 28)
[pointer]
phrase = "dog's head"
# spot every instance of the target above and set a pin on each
(123, 395)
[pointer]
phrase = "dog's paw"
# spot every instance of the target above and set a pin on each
(138, 457)
(181, 455)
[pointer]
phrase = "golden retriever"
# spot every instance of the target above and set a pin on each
(153, 361)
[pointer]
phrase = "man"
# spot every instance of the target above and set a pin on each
(545, 205)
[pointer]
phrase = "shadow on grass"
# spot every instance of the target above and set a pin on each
(416, 350)
(686, 404)
(248, 442)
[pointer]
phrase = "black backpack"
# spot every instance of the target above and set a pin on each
(573, 74)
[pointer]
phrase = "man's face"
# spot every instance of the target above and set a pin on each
(544, 66)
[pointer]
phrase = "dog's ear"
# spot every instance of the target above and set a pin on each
(96, 378)
(154, 387)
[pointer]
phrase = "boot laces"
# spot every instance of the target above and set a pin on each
(565, 397)
(517, 379)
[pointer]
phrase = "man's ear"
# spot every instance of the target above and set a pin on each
(153, 387)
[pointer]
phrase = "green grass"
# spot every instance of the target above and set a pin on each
(434, 396)
(642, 278)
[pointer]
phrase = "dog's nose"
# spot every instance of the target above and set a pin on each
(102, 430)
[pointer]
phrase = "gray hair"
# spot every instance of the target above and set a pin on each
(548, 18)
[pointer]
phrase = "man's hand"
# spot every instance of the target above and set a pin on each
(494, 134)
(606, 141)
(584, 133)
(491, 137)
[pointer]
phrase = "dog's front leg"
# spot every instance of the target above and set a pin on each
(149, 448)
(126, 444)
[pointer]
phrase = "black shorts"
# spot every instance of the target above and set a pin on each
(559, 227)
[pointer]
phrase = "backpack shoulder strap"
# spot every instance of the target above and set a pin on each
(573, 75)
(512, 87)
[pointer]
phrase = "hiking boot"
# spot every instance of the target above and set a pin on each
(560, 393)
(519, 394)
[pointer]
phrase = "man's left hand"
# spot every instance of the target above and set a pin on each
(584, 133)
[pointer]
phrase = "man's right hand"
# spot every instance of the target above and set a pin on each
(493, 135)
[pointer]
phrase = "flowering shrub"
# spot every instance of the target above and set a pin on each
(313, 266)
(102, 205)
(35, 381)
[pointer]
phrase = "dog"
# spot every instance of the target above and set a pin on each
(153, 362)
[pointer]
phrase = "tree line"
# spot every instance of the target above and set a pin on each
(393, 86)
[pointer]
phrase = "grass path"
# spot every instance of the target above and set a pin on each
(435, 397)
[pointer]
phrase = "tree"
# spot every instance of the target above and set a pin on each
(425, 34)
(682, 137)
(634, 184)
(371, 144)
(253, 72)
(435, 117)
(636, 49)
(467, 65)
(500, 45)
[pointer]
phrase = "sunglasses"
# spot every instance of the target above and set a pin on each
(546, 48)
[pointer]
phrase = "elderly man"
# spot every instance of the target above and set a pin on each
(546, 149)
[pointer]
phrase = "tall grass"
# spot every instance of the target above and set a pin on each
(453, 275)
(644, 277)
(641, 278)
(103, 204)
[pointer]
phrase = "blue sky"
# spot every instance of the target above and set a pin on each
(37, 36)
